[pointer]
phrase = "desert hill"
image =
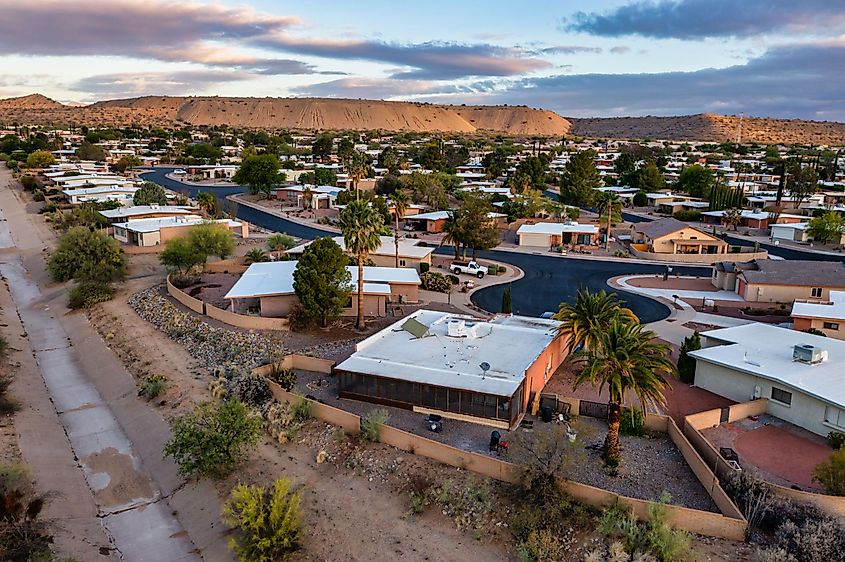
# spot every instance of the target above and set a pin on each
(712, 128)
(311, 114)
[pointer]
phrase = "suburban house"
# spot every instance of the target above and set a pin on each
(752, 218)
(212, 171)
(137, 212)
(100, 194)
(157, 231)
(550, 234)
(827, 317)
(677, 206)
(671, 236)
(412, 253)
(785, 281)
(797, 232)
(456, 366)
(322, 196)
(267, 287)
(663, 198)
(433, 222)
(800, 374)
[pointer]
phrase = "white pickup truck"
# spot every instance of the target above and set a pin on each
(469, 267)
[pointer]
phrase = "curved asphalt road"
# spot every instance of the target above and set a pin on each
(548, 280)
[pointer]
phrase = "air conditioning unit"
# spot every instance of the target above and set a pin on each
(808, 354)
(456, 328)
(757, 392)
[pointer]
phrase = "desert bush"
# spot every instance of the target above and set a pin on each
(48, 208)
(543, 545)
(435, 281)
(632, 422)
(836, 439)
(688, 216)
(831, 473)
(453, 279)
(8, 405)
(181, 281)
(651, 537)
(814, 540)
(752, 496)
(286, 378)
(250, 389)
(468, 505)
(424, 267)
(371, 424)
(24, 536)
(86, 295)
(211, 440)
(298, 318)
(268, 521)
(152, 385)
(285, 419)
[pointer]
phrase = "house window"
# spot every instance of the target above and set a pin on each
(782, 396)
(831, 325)
(834, 416)
(401, 263)
(816, 292)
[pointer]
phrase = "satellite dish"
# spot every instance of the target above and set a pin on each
(485, 366)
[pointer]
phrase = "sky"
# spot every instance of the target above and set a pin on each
(581, 58)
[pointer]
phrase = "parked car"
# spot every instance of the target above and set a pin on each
(179, 172)
(470, 267)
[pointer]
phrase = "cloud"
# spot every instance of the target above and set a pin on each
(127, 85)
(211, 34)
(696, 19)
(797, 81)
(620, 50)
(569, 50)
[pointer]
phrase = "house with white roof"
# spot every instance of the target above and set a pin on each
(456, 366)
(433, 222)
(802, 375)
(122, 194)
(827, 317)
(135, 212)
(550, 234)
(797, 232)
(267, 288)
(157, 231)
(412, 253)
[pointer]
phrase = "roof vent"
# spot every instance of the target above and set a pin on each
(810, 354)
(456, 328)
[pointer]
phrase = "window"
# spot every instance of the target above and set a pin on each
(834, 416)
(831, 325)
(401, 263)
(781, 396)
(816, 292)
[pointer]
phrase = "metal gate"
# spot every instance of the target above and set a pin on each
(593, 409)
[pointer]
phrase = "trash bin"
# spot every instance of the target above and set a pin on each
(546, 414)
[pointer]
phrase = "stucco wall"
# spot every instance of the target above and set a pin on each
(194, 304)
(390, 261)
(801, 324)
(277, 306)
(663, 244)
(408, 293)
(245, 322)
(538, 374)
(805, 411)
(698, 258)
(784, 293)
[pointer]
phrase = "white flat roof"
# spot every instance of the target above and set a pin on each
(155, 224)
(510, 344)
(407, 248)
(136, 210)
(264, 279)
(833, 309)
(557, 228)
(99, 190)
(765, 351)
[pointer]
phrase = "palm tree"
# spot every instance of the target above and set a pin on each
(624, 357)
(400, 206)
(361, 226)
(358, 170)
(307, 197)
(453, 234)
(206, 202)
(608, 202)
(589, 317)
(256, 255)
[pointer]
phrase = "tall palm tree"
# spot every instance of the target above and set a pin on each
(206, 202)
(401, 201)
(608, 202)
(453, 234)
(307, 197)
(361, 226)
(584, 321)
(358, 170)
(624, 357)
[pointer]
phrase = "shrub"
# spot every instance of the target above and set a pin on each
(49, 208)
(371, 424)
(286, 378)
(298, 318)
(152, 386)
(686, 364)
(814, 540)
(284, 420)
(251, 389)
(652, 537)
(210, 440)
(502, 269)
(268, 521)
(543, 545)
(23, 535)
(434, 281)
(424, 267)
(633, 422)
(453, 279)
(640, 199)
(836, 439)
(688, 216)
(86, 295)
(492, 269)
(831, 473)
(256, 255)
(183, 281)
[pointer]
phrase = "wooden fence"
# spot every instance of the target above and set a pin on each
(729, 525)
